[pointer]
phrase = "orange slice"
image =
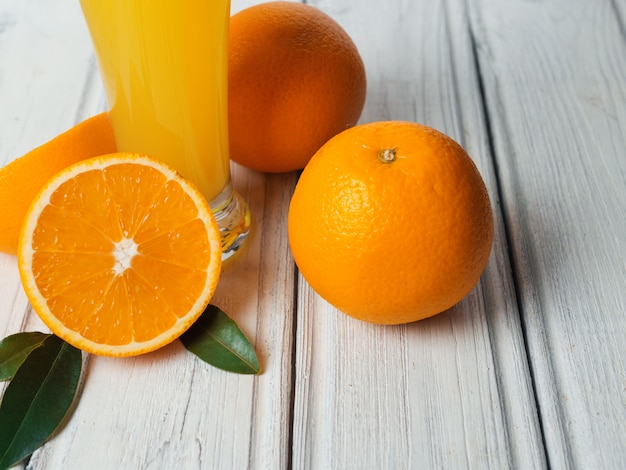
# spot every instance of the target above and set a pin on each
(22, 179)
(119, 254)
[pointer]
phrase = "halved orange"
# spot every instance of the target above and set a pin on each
(119, 254)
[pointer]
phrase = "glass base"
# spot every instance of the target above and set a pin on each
(233, 218)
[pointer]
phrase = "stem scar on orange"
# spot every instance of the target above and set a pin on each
(119, 254)
(391, 222)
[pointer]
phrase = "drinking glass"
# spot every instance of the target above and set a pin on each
(164, 66)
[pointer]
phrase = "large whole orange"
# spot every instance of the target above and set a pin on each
(390, 222)
(295, 80)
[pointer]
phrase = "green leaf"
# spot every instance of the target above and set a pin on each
(38, 398)
(14, 349)
(217, 340)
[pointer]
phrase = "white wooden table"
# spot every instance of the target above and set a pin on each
(529, 371)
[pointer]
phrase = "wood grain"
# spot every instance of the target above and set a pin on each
(557, 109)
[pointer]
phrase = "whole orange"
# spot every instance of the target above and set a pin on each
(391, 222)
(295, 80)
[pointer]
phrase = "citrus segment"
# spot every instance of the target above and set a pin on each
(119, 254)
(391, 222)
(21, 179)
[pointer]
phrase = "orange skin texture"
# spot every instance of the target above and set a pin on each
(295, 80)
(391, 243)
(22, 179)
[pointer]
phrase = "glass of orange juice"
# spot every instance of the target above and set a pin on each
(164, 69)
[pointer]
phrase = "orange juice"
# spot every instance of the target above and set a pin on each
(164, 69)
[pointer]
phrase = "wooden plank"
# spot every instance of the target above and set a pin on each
(48, 78)
(166, 409)
(169, 410)
(554, 78)
(452, 391)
